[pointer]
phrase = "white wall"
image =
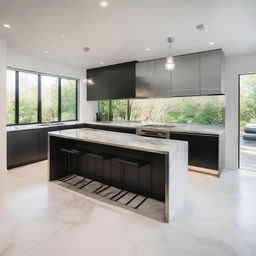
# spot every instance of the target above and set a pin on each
(87, 110)
(2, 105)
(234, 67)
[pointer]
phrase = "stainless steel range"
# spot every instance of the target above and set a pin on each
(157, 131)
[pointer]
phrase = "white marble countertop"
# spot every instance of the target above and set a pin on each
(123, 140)
(39, 126)
(174, 127)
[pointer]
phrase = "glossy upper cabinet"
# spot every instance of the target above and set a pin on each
(152, 80)
(112, 82)
(100, 88)
(122, 82)
(211, 69)
(142, 81)
(186, 76)
(162, 79)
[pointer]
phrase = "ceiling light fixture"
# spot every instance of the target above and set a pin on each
(6, 25)
(211, 43)
(200, 27)
(148, 49)
(45, 52)
(101, 63)
(104, 3)
(169, 64)
(88, 81)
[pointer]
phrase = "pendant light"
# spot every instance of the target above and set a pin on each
(87, 81)
(170, 65)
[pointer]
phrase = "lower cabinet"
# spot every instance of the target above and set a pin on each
(29, 146)
(203, 150)
(23, 147)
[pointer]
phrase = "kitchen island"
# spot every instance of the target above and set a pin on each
(151, 167)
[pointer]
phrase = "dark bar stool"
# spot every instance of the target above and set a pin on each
(133, 174)
(99, 166)
(71, 167)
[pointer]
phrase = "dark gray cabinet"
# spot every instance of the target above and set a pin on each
(211, 69)
(185, 77)
(152, 80)
(29, 146)
(162, 80)
(142, 82)
(203, 149)
(195, 74)
(23, 147)
(111, 82)
(100, 89)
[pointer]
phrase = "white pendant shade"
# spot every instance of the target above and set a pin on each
(169, 65)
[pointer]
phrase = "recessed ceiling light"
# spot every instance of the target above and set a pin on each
(104, 3)
(101, 63)
(6, 25)
(75, 63)
(147, 49)
(211, 43)
(45, 52)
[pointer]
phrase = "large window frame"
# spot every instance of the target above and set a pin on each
(39, 96)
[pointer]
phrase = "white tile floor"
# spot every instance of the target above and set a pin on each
(40, 218)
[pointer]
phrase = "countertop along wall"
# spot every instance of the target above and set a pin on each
(87, 110)
(2, 105)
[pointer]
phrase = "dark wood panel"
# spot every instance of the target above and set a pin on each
(29, 146)
(111, 82)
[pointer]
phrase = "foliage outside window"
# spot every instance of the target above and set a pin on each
(50, 88)
(10, 97)
(34, 98)
(247, 99)
(28, 98)
(199, 110)
(68, 99)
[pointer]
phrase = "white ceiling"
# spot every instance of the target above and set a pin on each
(123, 30)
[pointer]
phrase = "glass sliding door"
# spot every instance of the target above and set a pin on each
(248, 122)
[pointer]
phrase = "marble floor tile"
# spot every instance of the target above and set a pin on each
(41, 218)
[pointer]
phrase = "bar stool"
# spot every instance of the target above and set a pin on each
(70, 163)
(135, 174)
(99, 166)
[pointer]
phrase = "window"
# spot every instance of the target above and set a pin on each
(37, 98)
(28, 98)
(10, 97)
(68, 99)
(49, 89)
(199, 110)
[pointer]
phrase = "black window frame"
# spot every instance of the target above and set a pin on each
(39, 96)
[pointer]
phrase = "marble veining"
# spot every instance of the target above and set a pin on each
(40, 218)
(123, 140)
(176, 151)
(174, 127)
(38, 126)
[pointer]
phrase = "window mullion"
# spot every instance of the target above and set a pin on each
(39, 110)
(16, 97)
(59, 99)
